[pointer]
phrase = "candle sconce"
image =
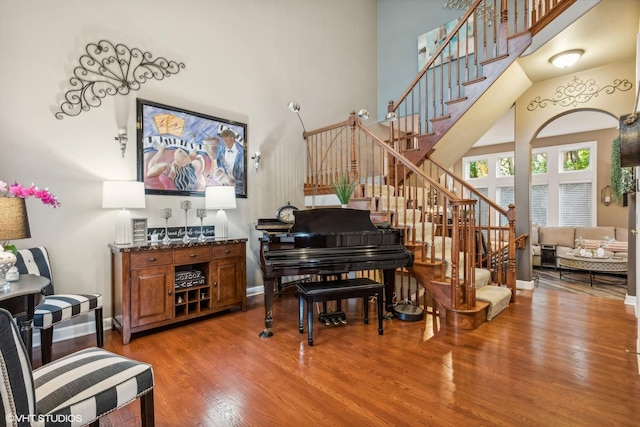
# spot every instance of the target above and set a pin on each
(256, 159)
(185, 205)
(606, 197)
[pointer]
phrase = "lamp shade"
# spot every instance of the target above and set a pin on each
(220, 197)
(123, 194)
(14, 223)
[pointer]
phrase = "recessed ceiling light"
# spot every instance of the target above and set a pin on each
(567, 58)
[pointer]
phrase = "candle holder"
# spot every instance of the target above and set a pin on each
(201, 213)
(166, 214)
(186, 205)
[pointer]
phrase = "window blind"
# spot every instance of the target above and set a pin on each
(576, 204)
(539, 204)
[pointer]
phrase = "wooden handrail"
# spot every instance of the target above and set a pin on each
(442, 215)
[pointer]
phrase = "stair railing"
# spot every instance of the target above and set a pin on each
(480, 37)
(439, 225)
(440, 213)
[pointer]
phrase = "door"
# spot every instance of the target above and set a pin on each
(227, 281)
(151, 295)
(633, 233)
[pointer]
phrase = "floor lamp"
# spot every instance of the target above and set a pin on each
(123, 195)
(220, 197)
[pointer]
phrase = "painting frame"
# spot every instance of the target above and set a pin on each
(181, 152)
(430, 41)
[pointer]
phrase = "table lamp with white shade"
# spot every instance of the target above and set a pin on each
(220, 197)
(123, 195)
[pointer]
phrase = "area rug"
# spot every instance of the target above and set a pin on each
(605, 285)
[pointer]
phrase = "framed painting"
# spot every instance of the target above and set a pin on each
(182, 152)
(429, 42)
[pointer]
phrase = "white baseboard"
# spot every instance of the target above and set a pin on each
(255, 290)
(88, 327)
(64, 332)
(523, 284)
(630, 300)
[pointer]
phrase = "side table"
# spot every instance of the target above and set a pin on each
(548, 255)
(21, 301)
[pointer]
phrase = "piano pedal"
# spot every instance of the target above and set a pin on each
(335, 318)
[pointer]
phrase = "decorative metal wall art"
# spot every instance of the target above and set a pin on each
(579, 92)
(110, 70)
(464, 4)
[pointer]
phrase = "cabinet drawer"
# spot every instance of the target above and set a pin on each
(191, 255)
(226, 251)
(150, 259)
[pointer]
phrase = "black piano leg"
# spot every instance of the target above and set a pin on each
(365, 305)
(301, 313)
(379, 304)
(310, 319)
(269, 290)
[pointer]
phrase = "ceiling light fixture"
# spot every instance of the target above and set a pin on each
(567, 58)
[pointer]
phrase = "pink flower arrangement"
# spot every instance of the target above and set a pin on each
(17, 190)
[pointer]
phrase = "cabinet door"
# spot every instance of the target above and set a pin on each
(227, 275)
(151, 295)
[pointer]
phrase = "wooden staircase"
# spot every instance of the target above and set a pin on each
(441, 214)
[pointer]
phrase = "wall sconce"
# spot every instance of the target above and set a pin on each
(294, 107)
(606, 196)
(256, 159)
(567, 58)
(122, 138)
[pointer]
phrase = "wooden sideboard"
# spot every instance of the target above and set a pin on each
(143, 282)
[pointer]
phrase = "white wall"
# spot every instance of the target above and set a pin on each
(245, 59)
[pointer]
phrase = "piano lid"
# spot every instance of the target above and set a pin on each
(332, 220)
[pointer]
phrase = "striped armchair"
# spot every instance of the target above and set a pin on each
(56, 308)
(75, 390)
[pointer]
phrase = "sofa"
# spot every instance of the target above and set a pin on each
(612, 239)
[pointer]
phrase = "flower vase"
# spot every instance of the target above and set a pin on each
(7, 260)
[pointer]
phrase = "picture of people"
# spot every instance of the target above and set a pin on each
(182, 152)
(429, 42)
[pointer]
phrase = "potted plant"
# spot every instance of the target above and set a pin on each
(343, 186)
(621, 178)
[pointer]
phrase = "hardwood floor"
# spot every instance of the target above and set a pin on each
(577, 282)
(552, 359)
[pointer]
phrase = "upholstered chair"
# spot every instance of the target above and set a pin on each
(75, 390)
(56, 308)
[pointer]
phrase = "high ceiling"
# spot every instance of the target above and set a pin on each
(607, 31)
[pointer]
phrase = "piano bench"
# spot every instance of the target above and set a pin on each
(336, 290)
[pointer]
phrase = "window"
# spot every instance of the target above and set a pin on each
(575, 160)
(539, 163)
(562, 182)
(506, 166)
(539, 204)
(478, 169)
(575, 206)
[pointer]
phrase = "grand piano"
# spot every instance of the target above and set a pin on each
(329, 242)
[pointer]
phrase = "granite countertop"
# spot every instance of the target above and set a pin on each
(175, 244)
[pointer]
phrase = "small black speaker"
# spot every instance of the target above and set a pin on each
(630, 140)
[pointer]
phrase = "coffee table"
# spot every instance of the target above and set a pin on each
(606, 264)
